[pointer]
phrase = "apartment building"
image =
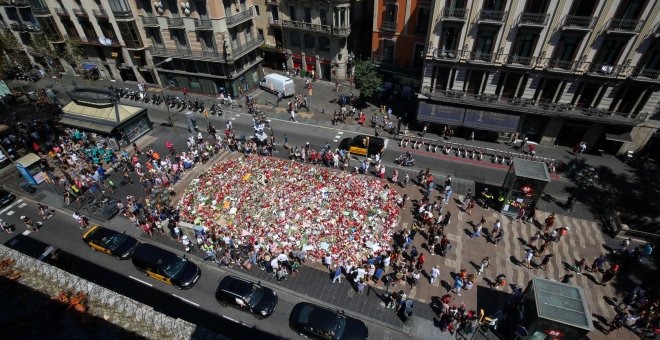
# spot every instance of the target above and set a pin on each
(398, 40)
(314, 35)
(213, 45)
(555, 71)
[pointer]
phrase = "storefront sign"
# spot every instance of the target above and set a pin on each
(555, 334)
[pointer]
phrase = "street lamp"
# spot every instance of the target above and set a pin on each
(163, 62)
(587, 177)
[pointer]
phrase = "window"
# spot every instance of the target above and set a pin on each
(50, 30)
(324, 44)
(295, 39)
(567, 47)
(179, 39)
(88, 29)
(418, 57)
(256, 8)
(449, 38)
(610, 51)
(155, 36)
(630, 9)
(388, 50)
(310, 42)
(494, 5)
(308, 15)
(524, 45)
(260, 32)
(484, 42)
(206, 39)
(422, 20)
(390, 13)
(292, 13)
(129, 33)
(323, 15)
(107, 30)
(119, 6)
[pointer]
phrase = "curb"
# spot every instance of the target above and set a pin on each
(243, 275)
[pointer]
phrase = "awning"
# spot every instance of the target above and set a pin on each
(442, 114)
(491, 121)
(624, 137)
(86, 125)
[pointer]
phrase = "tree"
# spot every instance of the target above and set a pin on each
(367, 79)
(12, 56)
(73, 53)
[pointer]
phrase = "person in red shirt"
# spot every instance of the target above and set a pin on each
(420, 261)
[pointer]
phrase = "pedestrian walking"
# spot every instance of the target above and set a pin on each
(498, 237)
(529, 254)
(414, 278)
(435, 273)
(521, 215)
(496, 227)
(406, 179)
(29, 224)
(360, 285)
(44, 212)
(484, 264)
(420, 262)
(8, 228)
(609, 275)
(458, 284)
(500, 281)
(549, 222)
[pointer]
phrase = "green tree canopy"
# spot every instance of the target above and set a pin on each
(367, 79)
(12, 55)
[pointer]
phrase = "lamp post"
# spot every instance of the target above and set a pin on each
(169, 117)
(587, 177)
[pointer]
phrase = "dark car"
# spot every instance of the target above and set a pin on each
(166, 266)
(322, 323)
(110, 242)
(247, 295)
(358, 145)
(6, 197)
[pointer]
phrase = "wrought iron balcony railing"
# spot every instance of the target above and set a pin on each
(175, 22)
(576, 22)
(79, 12)
(491, 16)
(149, 21)
(454, 13)
(625, 25)
(100, 13)
(515, 60)
(533, 19)
(186, 53)
(441, 54)
(482, 57)
(242, 49)
(233, 20)
(203, 24)
(340, 31)
(388, 25)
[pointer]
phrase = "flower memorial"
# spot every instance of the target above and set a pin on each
(295, 205)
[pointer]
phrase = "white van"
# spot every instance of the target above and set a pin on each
(278, 83)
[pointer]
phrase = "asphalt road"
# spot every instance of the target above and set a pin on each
(197, 305)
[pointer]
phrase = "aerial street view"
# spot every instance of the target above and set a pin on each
(342, 169)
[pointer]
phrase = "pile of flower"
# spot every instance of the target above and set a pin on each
(295, 205)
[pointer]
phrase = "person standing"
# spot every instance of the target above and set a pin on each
(549, 222)
(29, 223)
(521, 215)
(405, 180)
(420, 262)
(529, 254)
(497, 238)
(458, 284)
(337, 275)
(496, 227)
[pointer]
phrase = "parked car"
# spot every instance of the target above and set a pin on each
(166, 266)
(247, 295)
(110, 242)
(322, 323)
(6, 198)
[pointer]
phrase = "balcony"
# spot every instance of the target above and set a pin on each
(487, 16)
(240, 50)
(388, 26)
(274, 22)
(340, 31)
(18, 27)
(454, 14)
(578, 23)
(533, 19)
(449, 55)
(240, 17)
(528, 106)
(111, 42)
(203, 24)
(646, 74)
(186, 53)
(604, 70)
(61, 12)
(20, 3)
(79, 12)
(100, 13)
(518, 61)
(175, 23)
(150, 21)
(481, 57)
(625, 26)
(123, 15)
(40, 11)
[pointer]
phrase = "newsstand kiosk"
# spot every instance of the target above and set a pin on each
(523, 185)
(552, 310)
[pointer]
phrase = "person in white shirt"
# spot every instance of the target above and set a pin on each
(435, 273)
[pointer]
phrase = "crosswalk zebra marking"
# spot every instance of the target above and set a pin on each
(10, 212)
(22, 205)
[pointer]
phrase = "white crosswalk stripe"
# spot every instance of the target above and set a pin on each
(9, 213)
(22, 205)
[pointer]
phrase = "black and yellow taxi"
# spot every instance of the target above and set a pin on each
(110, 242)
(363, 145)
(166, 266)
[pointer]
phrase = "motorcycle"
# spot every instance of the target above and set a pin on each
(405, 160)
